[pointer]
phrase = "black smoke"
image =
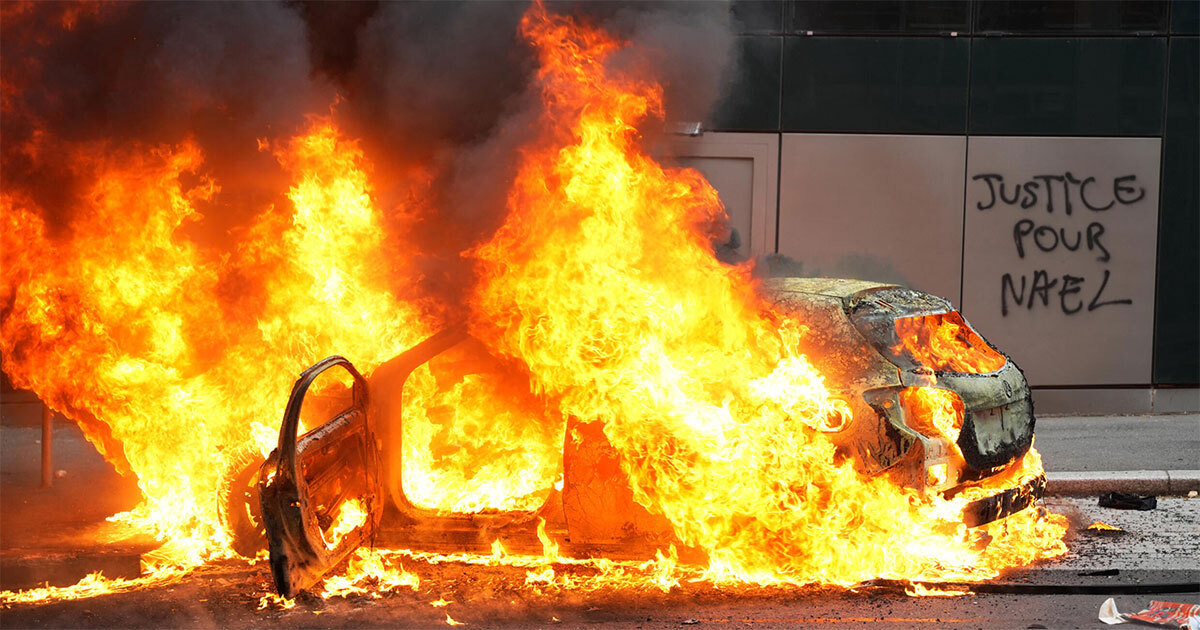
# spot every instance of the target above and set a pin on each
(438, 92)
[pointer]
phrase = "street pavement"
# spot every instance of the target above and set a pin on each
(1102, 443)
(1161, 546)
(1158, 547)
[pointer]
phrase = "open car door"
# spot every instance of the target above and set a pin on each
(321, 494)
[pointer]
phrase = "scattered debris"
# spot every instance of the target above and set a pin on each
(1168, 614)
(689, 622)
(1099, 573)
(1128, 501)
(1109, 613)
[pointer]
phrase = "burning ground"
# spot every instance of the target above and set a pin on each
(179, 248)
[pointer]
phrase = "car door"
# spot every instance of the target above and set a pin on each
(321, 493)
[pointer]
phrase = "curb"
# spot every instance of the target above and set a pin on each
(1177, 482)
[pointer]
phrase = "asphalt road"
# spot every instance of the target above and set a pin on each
(190, 608)
(1081, 444)
(1158, 547)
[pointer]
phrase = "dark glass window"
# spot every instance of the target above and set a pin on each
(1106, 86)
(1185, 17)
(875, 84)
(751, 101)
(1176, 335)
(881, 16)
(1109, 17)
(757, 16)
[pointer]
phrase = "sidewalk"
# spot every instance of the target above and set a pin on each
(1104, 443)
(1139, 454)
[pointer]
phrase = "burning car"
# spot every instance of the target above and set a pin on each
(615, 389)
(929, 403)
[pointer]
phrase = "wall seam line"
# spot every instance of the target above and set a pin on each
(962, 251)
(779, 144)
(1162, 158)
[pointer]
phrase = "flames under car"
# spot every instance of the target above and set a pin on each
(933, 406)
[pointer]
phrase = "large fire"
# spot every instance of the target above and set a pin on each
(945, 342)
(600, 290)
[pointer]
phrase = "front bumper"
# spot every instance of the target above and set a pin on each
(1004, 503)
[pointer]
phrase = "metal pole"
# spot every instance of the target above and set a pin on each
(47, 446)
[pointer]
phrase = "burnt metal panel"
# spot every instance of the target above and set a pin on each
(998, 422)
(340, 458)
(1005, 503)
(850, 364)
(387, 387)
(597, 499)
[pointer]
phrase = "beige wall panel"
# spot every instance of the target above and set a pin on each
(874, 207)
(1070, 296)
(743, 169)
(734, 180)
(1092, 401)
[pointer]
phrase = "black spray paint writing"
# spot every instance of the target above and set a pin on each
(1042, 189)
(1048, 239)
(1067, 292)
(1070, 298)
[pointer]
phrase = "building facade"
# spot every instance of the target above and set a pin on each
(1034, 162)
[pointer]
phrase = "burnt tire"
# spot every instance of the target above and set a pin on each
(240, 510)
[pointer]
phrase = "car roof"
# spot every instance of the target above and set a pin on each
(841, 288)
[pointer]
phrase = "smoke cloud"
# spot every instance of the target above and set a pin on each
(107, 76)
(438, 92)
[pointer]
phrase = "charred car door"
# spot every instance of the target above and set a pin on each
(321, 494)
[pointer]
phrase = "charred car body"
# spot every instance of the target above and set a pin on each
(319, 496)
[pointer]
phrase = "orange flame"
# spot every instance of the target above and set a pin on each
(601, 285)
(945, 342)
(933, 411)
(129, 327)
(368, 572)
